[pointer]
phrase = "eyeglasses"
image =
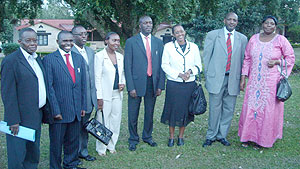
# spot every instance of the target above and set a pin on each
(81, 34)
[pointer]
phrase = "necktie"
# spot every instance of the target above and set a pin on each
(229, 50)
(148, 52)
(71, 69)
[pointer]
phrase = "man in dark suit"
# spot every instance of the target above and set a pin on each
(80, 38)
(223, 58)
(144, 78)
(23, 94)
(65, 71)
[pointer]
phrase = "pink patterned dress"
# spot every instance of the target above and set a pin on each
(261, 120)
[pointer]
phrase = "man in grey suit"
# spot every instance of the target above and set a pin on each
(223, 57)
(23, 92)
(144, 78)
(80, 38)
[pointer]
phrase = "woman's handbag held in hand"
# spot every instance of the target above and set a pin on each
(98, 130)
(284, 90)
(198, 102)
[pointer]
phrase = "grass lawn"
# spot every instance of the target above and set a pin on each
(284, 154)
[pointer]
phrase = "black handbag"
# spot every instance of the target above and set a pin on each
(98, 130)
(284, 90)
(198, 102)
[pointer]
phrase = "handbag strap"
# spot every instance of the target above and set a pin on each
(102, 116)
(199, 76)
(281, 72)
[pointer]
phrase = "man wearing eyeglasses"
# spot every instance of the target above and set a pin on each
(80, 37)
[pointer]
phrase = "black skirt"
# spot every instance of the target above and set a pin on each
(178, 96)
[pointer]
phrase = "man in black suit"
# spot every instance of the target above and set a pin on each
(23, 94)
(66, 81)
(144, 78)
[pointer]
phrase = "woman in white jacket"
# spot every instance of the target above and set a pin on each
(179, 61)
(110, 83)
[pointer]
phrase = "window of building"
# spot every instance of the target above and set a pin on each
(42, 38)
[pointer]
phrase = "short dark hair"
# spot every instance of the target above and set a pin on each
(107, 36)
(142, 18)
(62, 32)
(271, 17)
(175, 27)
(22, 31)
(230, 13)
(76, 27)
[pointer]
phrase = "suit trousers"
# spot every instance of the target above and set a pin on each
(23, 154)
(112, 117)
(221, 109)
(66, 136)
(84, 136)
(133, 113)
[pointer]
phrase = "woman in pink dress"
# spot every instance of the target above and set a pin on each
(261, 120)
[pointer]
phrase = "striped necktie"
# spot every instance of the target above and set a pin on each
(229, 50)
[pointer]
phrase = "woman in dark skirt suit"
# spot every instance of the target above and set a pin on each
(179, 61)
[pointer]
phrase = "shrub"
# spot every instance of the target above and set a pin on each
(9, 48)
(296, 45)
(294, 33)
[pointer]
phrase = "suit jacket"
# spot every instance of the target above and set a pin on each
(105, 74)
(65, 97)
(215, 57)
(20, 91)
(90, 78)
(135, 64)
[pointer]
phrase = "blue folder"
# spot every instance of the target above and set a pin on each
(24, 132)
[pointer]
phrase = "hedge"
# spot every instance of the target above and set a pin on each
(9, 48)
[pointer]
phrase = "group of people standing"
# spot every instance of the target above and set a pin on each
(65, 86)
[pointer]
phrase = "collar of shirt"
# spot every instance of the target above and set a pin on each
(27, 55)
(62, 52)
(79, 49)
(231, 37)
(144, 39)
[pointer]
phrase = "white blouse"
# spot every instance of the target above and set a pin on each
(175, 61)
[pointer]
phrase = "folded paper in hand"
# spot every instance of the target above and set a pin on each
(24, 132)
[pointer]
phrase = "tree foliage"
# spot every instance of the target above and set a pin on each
(55, 9)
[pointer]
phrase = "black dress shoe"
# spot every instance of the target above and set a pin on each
(223, 141)
(180, 142)
(207, 143)
(132, 147)
(151, 143)
(79, 162)
(88, 158)
(171, 142)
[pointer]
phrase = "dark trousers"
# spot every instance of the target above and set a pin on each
(133, 113)
(66, 136)
(23, 154)
(84, 136)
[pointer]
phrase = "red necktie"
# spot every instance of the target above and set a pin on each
(148, 52)
(71, 69)
(229, 50)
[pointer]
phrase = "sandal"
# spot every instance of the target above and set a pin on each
(256, 147)
(245, 144)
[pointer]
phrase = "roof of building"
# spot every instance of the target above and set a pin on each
(62, 24)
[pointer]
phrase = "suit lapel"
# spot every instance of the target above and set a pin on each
(89, 55)
(76, 65)
(62, 63)
(140, 43)
(25, 62)
(237, 43)
(222, 41)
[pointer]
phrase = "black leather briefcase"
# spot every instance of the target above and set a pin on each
(98, 130)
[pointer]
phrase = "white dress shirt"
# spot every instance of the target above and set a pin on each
(83, 53)
(174, 61)
(31, 59)
(231, 37)
(144, 40)
(62, 52)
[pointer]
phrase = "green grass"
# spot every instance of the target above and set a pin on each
(284, 154)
